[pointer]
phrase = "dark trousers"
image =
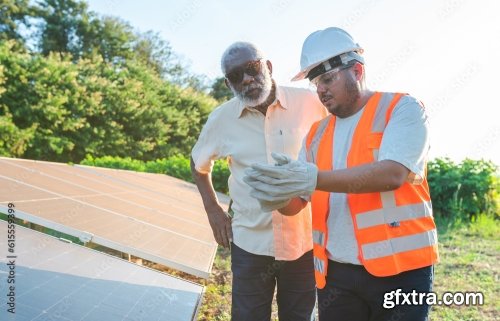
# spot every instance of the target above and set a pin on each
(351, 293)
(255, 278)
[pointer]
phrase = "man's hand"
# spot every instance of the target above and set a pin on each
(283, 181)
(220, 221)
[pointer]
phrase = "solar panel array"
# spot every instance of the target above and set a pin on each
(55, 280)
(152, 216)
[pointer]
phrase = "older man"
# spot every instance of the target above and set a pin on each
(268, 250)
(373, 232)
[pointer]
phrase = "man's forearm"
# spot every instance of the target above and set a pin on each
(295, 206)
(380, 176)
(219, 220)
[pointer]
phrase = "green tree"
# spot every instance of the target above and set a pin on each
(220, 91)
(68, 26)
(14, 140)
(156, 53)
(193, 108)
(96, 87)
(95, 107)
(13, 13)
(110, 37)
(63, 22)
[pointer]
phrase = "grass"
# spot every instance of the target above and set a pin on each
(217, 299)
(470, 261)
(470, 257)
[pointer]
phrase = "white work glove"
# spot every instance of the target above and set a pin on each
(283, 181)
(269, 206)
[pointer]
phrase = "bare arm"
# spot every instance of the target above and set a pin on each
(379, 176)
(295, 206)
(220, 221)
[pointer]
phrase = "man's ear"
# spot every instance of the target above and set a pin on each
(359, 70)
(269, 66)
(227, 83)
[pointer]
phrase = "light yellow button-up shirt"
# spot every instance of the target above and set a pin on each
(245, 136)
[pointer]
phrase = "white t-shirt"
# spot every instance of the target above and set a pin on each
(405, 140)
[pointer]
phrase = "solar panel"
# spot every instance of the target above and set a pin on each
(151, 216)
(56, 280)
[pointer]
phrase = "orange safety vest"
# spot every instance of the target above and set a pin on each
(395, 230)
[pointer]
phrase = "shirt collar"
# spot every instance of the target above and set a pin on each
(280, 100)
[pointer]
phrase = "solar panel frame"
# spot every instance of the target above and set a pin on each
(117, 185)
(94, 238)
(41, 253)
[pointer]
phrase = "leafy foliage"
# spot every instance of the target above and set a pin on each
(64, 27)
(54, 109)
(67, 26)
(92, 85)
(13, 15)
(464, 190)
(220, 91)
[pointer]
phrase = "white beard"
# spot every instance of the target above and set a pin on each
(264, 94)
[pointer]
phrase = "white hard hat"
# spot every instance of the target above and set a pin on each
(324, 45)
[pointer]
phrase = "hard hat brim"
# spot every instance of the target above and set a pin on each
(303, 73)
(354, 56)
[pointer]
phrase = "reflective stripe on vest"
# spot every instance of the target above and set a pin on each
(390, 215)
(399, 244)
(395, 230)
(319, 238)
(314, 143)
(319, 265)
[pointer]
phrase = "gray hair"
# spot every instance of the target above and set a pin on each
(236, 48)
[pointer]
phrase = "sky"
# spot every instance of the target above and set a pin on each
(443, 52)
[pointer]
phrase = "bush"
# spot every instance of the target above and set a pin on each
(115, 162)
(56, 109)
(463, 191)
(176, 166)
